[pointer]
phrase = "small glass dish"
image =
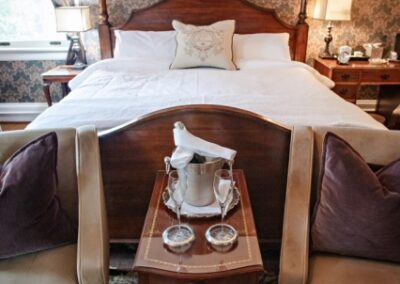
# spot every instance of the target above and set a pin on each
(222, 237)
(178, 238)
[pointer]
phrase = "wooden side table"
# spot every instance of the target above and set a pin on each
(60, 74)
(348, 79)
(201, 263)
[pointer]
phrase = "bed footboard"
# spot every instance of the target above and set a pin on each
(131, 155)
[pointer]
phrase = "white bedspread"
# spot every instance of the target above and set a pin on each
(112, 92)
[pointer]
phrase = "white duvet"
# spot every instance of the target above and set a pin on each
(112, 92)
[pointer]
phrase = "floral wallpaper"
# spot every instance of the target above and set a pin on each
(372, 21)
(20, 81)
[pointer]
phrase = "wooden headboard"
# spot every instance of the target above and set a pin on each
(249, 19)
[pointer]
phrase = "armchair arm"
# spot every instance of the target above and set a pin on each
(295, 236)
(93, 240)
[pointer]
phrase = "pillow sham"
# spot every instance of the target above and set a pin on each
(204, 46)
(357, 211)
(163, 44)
(145, 44)
(271, 46)
(32, 218)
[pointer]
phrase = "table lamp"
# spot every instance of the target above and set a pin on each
(74, 19)
(331, 10)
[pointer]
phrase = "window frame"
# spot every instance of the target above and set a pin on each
(34, 50)
(50, 47)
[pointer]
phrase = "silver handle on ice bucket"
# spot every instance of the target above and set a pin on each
(167, 161)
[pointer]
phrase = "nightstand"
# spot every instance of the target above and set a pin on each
(60, 74)
(348, 79)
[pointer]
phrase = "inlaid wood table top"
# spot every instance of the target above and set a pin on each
(61, 71)
(201, 261)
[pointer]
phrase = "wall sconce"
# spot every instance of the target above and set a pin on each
(74, 20)
(331, 10)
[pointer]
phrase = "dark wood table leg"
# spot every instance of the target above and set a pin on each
(46, 91)
(388, 100)
(65, 89)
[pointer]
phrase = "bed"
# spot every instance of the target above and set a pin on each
(135, 138)
(116, 90)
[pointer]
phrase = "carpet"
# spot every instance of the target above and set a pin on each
(123, 278)
(131, 278)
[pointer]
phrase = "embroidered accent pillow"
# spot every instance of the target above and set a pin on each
(32, 218)
(204, 46)
(357, 211)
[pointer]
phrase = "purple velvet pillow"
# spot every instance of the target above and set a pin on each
(31, 215)
(357, 212)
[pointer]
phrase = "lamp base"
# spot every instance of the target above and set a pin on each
(79, 66)
(76, 54)
(328, 38)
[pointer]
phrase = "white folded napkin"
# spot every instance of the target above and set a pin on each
(188, 144)
(181, 157)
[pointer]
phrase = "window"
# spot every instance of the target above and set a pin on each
(29, 27)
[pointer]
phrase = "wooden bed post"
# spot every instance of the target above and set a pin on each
(104, 31)
(303, 12)
(302, 33)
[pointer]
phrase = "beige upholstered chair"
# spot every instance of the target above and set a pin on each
(378, 147)
(81, 194)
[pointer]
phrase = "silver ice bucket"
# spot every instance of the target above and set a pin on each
(199, 181)
(198, 178)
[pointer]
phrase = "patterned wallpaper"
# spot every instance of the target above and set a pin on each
(372, 21)
(20, 81)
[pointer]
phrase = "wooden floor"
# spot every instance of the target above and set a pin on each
(8, 126)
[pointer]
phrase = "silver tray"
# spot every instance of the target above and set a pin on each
(208, 211)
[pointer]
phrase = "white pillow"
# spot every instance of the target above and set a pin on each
(144, 44)
(204, 46)
(272, 46)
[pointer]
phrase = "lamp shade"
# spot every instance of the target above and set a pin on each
(332, 10)
(73, 19)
